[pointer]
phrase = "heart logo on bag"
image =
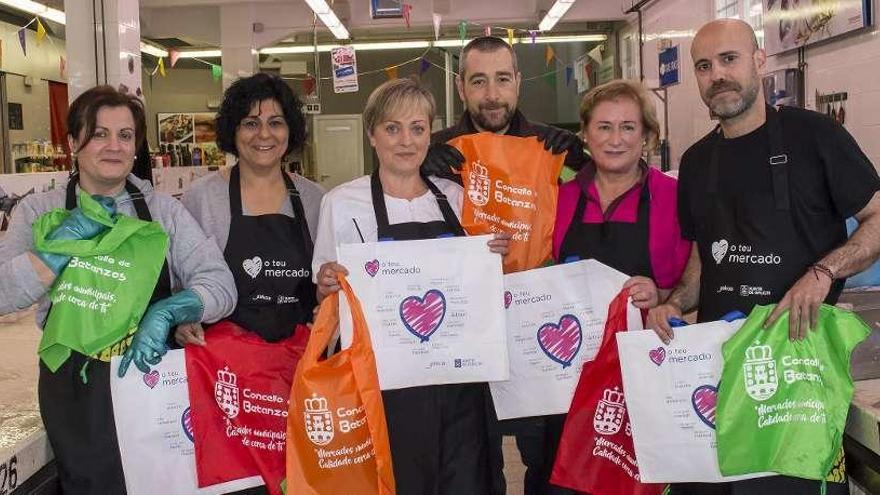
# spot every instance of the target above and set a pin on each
(422, 316)
(151, 378)
(253, 266)
(719, 250)
(372, 267)
(657, 355)
(561, 341)
(704, 399)
(187, 424)
(508, 298)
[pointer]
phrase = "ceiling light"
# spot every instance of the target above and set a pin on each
(415, 44)
(153, 50)
(554, 14)
(200, 53)
(36, 9)
(328, 17)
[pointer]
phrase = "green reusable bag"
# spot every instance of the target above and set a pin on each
(102, 293)
(782, 405)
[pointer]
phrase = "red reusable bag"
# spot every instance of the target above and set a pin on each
(596, 453)
(239, 387)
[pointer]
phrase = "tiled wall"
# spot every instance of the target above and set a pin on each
(850, 64)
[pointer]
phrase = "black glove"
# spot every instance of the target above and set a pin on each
(444, 161)
(555, 140)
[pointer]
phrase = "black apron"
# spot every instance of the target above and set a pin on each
(437, 433)
(741, 228)
(752, 249)
(270, 257)
(78, 416)
(620, 245)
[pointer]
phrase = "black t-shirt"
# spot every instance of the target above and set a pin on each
(830, 177)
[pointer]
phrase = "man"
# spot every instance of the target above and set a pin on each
(488, 84)
(765, 197)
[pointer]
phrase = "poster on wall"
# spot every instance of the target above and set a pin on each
(669, 66)
(196, 130)
(790, 24)
(345, 78)
(385, 9)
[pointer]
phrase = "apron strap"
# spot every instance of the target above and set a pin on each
(235, 192)
(299, 212)
(445, 208)
(379, 208)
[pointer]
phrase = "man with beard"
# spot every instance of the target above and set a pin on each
(778, 186)
(488, 84)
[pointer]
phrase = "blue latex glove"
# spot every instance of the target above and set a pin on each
(149, 342)
(677, 322)
(77, 226)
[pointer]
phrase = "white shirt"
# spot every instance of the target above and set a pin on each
(351, 204)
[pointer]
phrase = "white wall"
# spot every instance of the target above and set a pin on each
(850, 64)
(41, 64)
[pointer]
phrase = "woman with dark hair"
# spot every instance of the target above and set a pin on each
(257, 211)
(105, 129)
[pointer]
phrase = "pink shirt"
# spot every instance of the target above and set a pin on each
(669, 251)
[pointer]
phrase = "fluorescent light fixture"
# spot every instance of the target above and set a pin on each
(201, 53)
(415, 44)
(36, 9)
(153, 50)
(554, 14)
(328, 17)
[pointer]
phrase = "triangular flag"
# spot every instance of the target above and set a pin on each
(406, 9)
(308, 85)
(436, 18)
(216, 72)
(41, 32)
(550, 78)
(62, 65)
(549, 55)
(22, 42)
(424, 66)
(487, 30)
(596, 54)
(391, 72)
(510, 36)
(569, 72)
(462, 31)
(161, 66)
(173, 54)
(533, 34)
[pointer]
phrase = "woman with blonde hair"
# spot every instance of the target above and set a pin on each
(437, 433)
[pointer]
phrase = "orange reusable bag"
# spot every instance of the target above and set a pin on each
(511, 186)
(337, 439)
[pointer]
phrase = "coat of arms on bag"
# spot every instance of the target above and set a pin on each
(759, 372)
(610, 412)
(478, 184)
(319, 420)
(226, 392)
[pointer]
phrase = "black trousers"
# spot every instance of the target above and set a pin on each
(78, 418)
(537, 440)
(438, 439)
(772, 485)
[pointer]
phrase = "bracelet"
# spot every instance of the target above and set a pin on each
(819, 267)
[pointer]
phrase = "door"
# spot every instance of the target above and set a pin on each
(338, 141)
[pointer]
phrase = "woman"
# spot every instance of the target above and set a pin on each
(105, 128)
(437, 433)
(618, 210)
(256, 211)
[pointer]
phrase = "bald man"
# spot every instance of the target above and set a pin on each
(764, 197)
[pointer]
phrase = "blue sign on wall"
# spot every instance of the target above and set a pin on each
(669, 66)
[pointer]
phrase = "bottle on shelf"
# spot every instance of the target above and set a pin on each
(196, 156)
